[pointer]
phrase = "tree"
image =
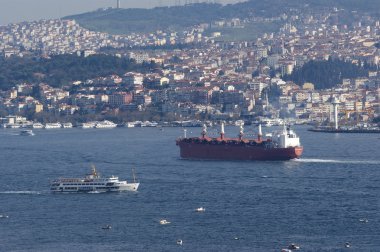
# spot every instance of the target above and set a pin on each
(63, 69)
(327, 74)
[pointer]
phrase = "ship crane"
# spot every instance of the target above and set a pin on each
(222, 131)
(241, 133)
(204, 131)
(260, 134)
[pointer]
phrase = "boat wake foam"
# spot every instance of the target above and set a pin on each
(20, 192)
(316, 160)
(95, 192)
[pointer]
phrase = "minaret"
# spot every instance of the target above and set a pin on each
(222, 131)
(204, 131)
(335, 103)
(260, 133)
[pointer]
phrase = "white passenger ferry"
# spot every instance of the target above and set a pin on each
(93, 183)
(26, 132)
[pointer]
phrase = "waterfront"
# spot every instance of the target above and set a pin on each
(316, 201)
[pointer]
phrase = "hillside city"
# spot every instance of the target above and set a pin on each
(201, 76)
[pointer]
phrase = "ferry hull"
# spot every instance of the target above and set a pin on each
(236, 152)
(120, 188)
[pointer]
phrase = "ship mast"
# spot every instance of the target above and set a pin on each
(222, 131)
(94, 173)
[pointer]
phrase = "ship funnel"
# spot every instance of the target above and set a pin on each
(204, 130)
(260, 133)
(222, 130)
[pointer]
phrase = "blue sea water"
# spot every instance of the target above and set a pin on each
(315, 201)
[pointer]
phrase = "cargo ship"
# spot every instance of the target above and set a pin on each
(282, 145)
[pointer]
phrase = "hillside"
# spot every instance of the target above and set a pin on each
(63, 69)
(124, 21)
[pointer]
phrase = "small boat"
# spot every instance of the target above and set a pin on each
(88, 125)
(105, 125)
(363, 220)
(200, 209)
(293, 246)
(347, 245)
(26, 133)
(56, 125)
(3, 216)
(38, 126)
(67, 125)
(130, 125)
(164, 222)
(106, 227)
(179, 242)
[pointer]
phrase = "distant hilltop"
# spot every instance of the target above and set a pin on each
(125, 21)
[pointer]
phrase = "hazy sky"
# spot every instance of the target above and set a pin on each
(26, 10)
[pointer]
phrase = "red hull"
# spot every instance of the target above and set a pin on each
(236, 152)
